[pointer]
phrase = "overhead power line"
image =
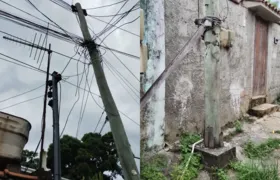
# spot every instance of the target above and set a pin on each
(114, 15)
(50, 19)
(22, 102)
(106, 5)
(28, 13)
(22, 93)
(42, 71)
(116, 26)
(119, 27)
(68, 37)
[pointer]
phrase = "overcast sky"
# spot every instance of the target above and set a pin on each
(16, 79)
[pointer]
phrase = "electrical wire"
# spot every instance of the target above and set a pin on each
(69, 115)
(29, 162)
(106, 28)
(21, 102)
(50, 20)
(114, 15)
(137, 101)
(26, 13)
(119, 27)
(70, 61)
(108, 111)
(42, 71)
(123, 63)
(81, 110)
(122, 77)
(22, 93)
(98, 121)
(64, 37)
(106, 5)
(53, 51)
(120, 60)
(103, 125)
(40, 28)
(22, 63)
(100, 20)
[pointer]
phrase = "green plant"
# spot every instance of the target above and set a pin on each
(194, 164)
(256, 170)
(152, 169)
(273, 3)
(222, 174)
(262, 150)
(238, 126)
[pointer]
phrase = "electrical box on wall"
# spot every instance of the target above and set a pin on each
(226, 38)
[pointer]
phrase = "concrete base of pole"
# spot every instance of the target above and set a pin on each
(217, 157)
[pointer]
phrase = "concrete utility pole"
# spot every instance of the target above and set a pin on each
(212, 130)
(120, 138)
(56, 136)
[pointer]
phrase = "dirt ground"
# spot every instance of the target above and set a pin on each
(257, 131)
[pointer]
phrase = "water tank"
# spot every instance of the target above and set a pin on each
(14, 133)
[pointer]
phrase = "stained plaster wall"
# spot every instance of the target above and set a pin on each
(273, 79)
(152, 124)
(184, 105)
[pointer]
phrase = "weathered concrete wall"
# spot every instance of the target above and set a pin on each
(184, 108)
(152, 126)
(273, 82)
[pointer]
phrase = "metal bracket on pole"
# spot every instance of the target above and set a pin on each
(74, 9)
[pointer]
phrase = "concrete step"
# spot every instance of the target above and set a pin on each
(257, 100)
(263, 109)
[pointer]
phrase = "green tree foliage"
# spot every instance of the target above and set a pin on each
(88, 157)
(29, 159)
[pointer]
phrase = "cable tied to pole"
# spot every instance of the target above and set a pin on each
(209, 22)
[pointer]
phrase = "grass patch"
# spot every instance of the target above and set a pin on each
(262, 150)
(256, 170)
(194, 165)
(152, 169)
(222, 174)
(238, 126)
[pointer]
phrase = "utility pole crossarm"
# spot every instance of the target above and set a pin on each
(120, 138)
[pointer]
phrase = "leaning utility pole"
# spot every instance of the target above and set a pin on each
(120, 138)
(56, 136)
(212, 130)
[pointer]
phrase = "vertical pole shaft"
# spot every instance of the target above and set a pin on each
(45, 106)
(212, 132)
(56, 136)
(120, 138)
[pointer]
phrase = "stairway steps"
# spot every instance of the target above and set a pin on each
(263, 109)
(257, 100)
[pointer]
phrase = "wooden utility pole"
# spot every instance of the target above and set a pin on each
(120, 138)
(45, 108)
(212, 130)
